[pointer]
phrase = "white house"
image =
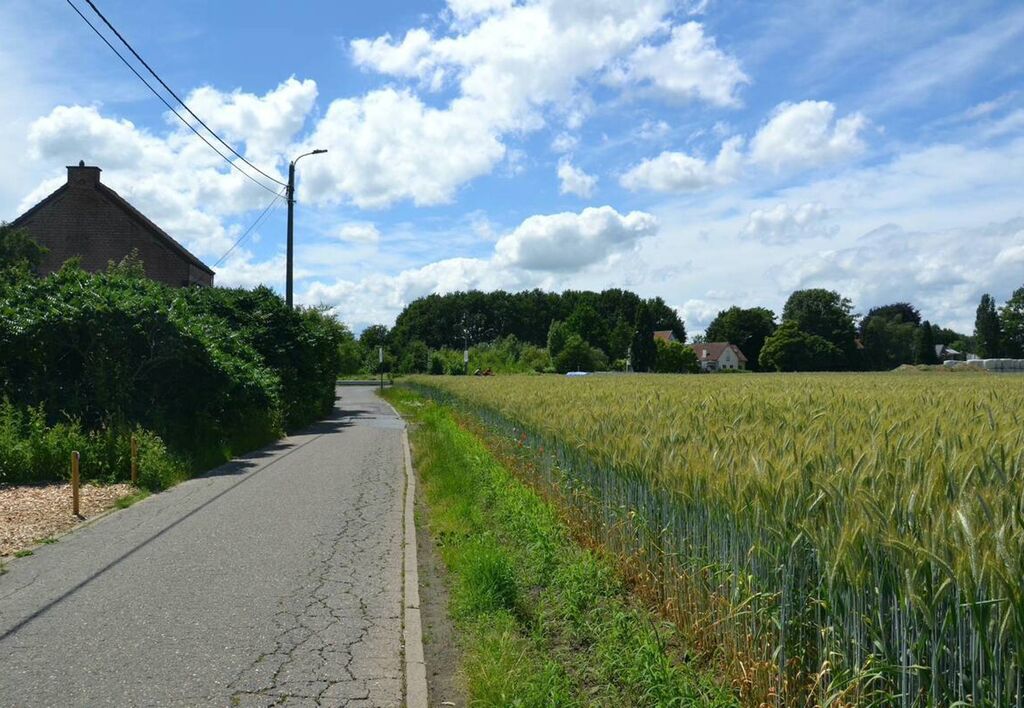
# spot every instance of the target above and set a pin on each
(719, 356)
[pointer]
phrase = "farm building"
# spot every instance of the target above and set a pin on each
(718, 356)
(86, 219)
(664, 335)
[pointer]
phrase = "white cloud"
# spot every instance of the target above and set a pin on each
(174, 178)
(510, 66)
(474, 9)
(543, 251)
(678, 172)
(568, 241)
(564, 142)
(806, 134)
(689, 65)
(784, 224)
(574, 180)
(364, 233)
(944, 272)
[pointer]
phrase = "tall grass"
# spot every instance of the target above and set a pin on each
(826, 539)
(32, 452)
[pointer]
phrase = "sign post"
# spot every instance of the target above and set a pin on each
(380, 358)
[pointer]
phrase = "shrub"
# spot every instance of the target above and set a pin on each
(211, 372)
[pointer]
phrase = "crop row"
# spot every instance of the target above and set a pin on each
(826, 539)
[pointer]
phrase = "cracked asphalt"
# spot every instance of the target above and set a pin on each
(275, 580)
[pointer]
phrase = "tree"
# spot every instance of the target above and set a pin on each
(792, 349)
(415, 358)
(925, 342)
(675, 358)
(826, 314)
(351, 355)
(558, 335)
(18, 250)
(586, 322)
(578, 355)
(374, 336)
(902, 312)
(888, 341)
(643, 348)
(746, 328)
(1011, 317)
(987, 331)
(619, 339)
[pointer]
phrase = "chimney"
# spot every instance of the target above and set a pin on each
(82, 176)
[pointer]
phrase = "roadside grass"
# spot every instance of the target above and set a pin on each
(543, 620)
(126, 501)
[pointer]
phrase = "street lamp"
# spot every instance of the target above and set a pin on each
(291, 212)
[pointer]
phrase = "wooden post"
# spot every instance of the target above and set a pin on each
(75, 458)
(135, 460)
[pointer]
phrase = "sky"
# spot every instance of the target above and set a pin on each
(712, 153)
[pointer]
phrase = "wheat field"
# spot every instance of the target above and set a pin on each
(830, 539)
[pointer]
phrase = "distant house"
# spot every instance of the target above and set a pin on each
(944, 353)
(664, 335)
(88, 220)
(718, 356)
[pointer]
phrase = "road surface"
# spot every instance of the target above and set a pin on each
(275, 580)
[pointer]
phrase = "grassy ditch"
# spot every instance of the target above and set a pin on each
(543, 620)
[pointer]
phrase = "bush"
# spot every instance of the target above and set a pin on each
(32, 452)
(210, 372)
(578, 355)
(675, 358)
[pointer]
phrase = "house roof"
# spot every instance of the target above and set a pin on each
(122, 204)
(665, 335)
(712, 351)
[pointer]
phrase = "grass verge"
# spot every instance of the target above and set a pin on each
(544, 621)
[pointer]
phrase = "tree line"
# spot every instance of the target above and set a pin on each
(582, 330)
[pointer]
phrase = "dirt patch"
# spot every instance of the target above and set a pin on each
(29, 514)
(445, 685)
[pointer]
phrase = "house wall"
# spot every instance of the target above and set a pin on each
(81, 222)
(728, 360)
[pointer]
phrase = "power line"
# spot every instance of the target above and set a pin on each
(176, 97)
(165, 102)
(257, 222)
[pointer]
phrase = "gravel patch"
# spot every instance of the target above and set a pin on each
(29, 514)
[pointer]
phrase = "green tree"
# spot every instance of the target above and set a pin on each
(747, 328)
(987, 330)
(374, 336)
(643, 348)
(792, 349)
(18, 250)
(558, 335)
(415, 358)
(925, 341)
(675, 358)
(586, 322)
(888, 341)
(826, 314)
(902, 312)
(578, 355)
(619, 339)
(351, 355)
(1011, 316)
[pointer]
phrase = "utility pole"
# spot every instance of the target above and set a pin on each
(291, 220)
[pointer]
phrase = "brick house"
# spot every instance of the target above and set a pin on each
(89, 220)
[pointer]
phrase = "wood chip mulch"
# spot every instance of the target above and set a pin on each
(29, 514)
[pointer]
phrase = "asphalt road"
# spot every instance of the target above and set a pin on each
(275, 580)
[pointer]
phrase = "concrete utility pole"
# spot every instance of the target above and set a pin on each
(291, 213)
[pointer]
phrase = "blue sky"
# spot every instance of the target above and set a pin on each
(709, 152)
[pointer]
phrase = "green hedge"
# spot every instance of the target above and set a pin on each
(212, 372)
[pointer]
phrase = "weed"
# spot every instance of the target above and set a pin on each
(23, 554)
